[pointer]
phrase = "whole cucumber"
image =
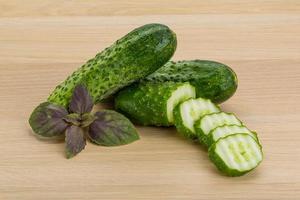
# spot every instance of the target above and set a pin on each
(136, 55)
(212, 80)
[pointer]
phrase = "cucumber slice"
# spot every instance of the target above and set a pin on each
(236, 154)
(186, 113)
(153, 103)
(210, 121)
(223, 131)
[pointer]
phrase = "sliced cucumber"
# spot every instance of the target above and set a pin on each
(210, 121)
(186, 113)
(223, 131)
(236, 154)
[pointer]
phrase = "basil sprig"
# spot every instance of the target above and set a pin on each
(78, 123)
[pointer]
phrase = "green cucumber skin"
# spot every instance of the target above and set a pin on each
(136, 55)
(220, 164)
(181, 129)
(203, 139)
(212, 80)
(146, 103)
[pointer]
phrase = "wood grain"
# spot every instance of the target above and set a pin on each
(41, 42)
(37, 8)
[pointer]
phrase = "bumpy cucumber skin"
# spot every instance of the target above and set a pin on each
(212, 80)
(220, 164)
(136, 55)
(146, 103)
(203, 138)
(210, 140)
(181, 129)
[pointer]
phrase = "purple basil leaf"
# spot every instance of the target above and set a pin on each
(75, 141)
(81, 101)
(112, 129)
(47, 120)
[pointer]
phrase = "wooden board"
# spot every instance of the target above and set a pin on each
(41, 42)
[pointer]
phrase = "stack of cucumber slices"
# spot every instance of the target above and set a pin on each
(232, 147)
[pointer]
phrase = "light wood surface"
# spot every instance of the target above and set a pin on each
(41, 42)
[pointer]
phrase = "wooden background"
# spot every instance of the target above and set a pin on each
(41, 42)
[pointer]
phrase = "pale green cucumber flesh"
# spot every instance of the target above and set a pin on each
(236, 154)
(225, 130)
(191, 110)
(182, 93)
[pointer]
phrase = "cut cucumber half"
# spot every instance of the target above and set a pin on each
(236, 154)
(210, 121)
(223, 131)
(186, 113)
(153, 103)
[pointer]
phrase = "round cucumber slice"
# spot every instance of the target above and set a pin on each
(186, 113)
(236, 154)
(223, 131)
(210, 121)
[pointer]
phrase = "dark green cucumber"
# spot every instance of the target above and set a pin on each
(225, 130)
(210, 121)
(136, 55)
(236, 154)
(212, 80)
(187, 112)
(153, 103)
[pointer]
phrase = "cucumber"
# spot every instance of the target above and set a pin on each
(153, 103)
(212, 80)
(186, 113)
(210, 121)
(136, 55)
(223, 131)
(236, 154)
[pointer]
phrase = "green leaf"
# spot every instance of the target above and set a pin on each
(75, 141)
(81, 101)
(112, 129)
(47, 120)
